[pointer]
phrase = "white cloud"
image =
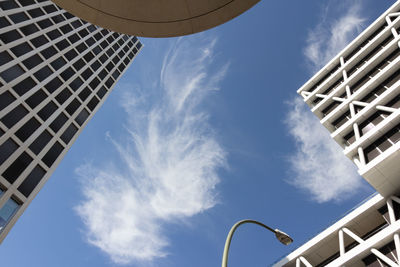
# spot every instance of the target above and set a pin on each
(320, 168)
(168, 167)
(330, 36)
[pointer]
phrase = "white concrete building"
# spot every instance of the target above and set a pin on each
(356, 96)
(56, 70)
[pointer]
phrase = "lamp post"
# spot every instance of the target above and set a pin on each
(281, 236)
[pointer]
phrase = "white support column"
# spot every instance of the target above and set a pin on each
(341, 243)
(306, 263)
(384, 258)
(388, 109)
(298, 263)
(389, 204)
(361, 152)
(388, 20)
(396, 239)
(353, 235)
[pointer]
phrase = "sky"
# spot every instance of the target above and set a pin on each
(200, 132)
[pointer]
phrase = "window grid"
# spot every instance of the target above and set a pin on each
(58, 80)
(356, 97)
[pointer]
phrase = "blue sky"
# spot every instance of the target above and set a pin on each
(200, 132)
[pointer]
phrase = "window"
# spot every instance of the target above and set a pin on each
(71, 54)
(69, 133)
(88, 57)
(91, 28)
(63, 96)
(68, 15)
(82, 116)
(110, 66)
(10, 36)
(43, 73)
(6, 149)
(102, 91)
(39, 41)
(17, 167)
(115, 74)
(24, 86)
(73, 106)
(75, 84)
(37, 12)
(97, 36)
(7, 212)
(68, 73)
(41, 141)
(66, 29)
(61, 45)
(73, 38)
(86, 74)
(109, 82)
(11, 73)
(121, 67)
(19, 17)
(36, 99)
(102, 74)
(93, 103)
(4, 22)
(52, 155)
(76, 24)
(8, 5)
(29, 29)
(5, 58)
(47, 111)
(33, 61)
(84, 94)
(96, 65)
(54, 34)
(44, 23)
(81, 48)
(94, 83)
(110, 52)
(83, 32)
(29, 184)
(28, 129)
(103, 58)
(21, 49)
(57, 19)
(6, 99)
(14, 116)
(50, 8)
(53, 85)
(79, 64)
(97, 50)
(49, 52)
(116, 60)
(58, 63)
(26, 2)
(58, 122)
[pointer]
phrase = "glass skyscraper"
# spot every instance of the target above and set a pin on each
(56, 70)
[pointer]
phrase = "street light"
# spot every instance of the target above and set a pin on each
(281, 236)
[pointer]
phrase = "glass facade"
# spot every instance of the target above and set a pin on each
(55, 72)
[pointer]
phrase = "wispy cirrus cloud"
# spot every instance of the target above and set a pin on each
(331, 35)
(319, 166)
(168, 167)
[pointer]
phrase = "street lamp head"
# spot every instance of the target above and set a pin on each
(283, 237)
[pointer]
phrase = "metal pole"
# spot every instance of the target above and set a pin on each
(229, 238)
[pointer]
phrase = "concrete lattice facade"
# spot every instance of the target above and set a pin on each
(55, 72)
(356, 96)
